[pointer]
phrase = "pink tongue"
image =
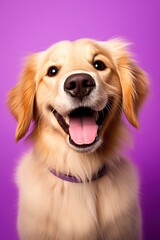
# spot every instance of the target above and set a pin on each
(83, 130)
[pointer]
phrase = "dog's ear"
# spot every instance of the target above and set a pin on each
(133, 80)
(21, 98)
(134, 90)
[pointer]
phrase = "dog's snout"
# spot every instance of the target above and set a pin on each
(79, 85)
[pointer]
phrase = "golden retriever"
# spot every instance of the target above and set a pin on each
(74, 184)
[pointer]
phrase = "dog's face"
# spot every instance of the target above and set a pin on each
(75, 89)
(78, 88)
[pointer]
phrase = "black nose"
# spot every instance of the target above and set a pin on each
(79, 85)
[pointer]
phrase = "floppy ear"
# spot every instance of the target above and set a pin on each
(133, 81)
(21, 98)
(134, 90)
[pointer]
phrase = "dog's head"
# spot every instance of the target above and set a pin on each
(78, 89)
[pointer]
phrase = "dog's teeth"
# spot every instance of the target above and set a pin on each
(96, 114)
(97, 138)
(67, 119)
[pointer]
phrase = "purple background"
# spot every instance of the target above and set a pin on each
(29, 26)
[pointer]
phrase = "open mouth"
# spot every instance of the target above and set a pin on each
(83, 124)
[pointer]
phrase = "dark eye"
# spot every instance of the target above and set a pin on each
(99, 65)
(52, 71)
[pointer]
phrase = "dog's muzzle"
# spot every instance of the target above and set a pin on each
(83, 123)
(79, 85)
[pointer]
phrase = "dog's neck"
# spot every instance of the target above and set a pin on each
(69, 178)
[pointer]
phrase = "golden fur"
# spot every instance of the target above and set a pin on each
(50, 208)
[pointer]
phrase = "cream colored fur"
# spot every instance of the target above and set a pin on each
(50, 208)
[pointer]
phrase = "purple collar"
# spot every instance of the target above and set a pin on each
(69, 178)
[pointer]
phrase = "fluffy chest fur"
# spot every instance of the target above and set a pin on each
(54, 209)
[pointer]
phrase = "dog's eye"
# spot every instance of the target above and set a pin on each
(99, 65)
(52, 71)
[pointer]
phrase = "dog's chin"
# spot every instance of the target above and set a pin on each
(85, 148)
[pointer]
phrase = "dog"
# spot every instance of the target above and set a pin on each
(75, 184)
